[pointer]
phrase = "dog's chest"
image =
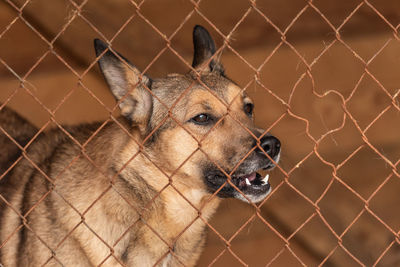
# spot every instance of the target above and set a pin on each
(166, 262)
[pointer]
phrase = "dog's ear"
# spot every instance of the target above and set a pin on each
(129, 86)
(204, 49)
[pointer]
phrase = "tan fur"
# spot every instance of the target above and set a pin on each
(124, 197)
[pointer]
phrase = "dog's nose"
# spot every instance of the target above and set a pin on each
(271, 145)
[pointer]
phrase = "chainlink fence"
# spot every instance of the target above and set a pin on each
(324, 78)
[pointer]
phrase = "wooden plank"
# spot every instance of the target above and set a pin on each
(20, 48)
(253, 32)
(52, 89)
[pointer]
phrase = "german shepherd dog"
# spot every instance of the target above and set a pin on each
(139, 189)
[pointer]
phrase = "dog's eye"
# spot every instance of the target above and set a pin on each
(248, 108)
(202, 119)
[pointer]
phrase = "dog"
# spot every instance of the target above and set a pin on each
(138, 189)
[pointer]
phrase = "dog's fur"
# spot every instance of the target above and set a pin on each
(136, 190)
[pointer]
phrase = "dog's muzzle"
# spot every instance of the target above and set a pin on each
(250, 185)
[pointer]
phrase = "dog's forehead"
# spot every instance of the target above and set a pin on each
(230, 97)
(185, 86)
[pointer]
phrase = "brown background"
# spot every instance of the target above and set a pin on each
(325, 80)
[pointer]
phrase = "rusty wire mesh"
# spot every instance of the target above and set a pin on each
(77, 10)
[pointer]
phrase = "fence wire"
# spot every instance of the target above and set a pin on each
(78, 8)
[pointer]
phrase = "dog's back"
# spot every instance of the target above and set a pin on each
(27, 211)
(14, 126)
(15, 133)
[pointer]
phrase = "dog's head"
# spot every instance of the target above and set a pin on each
(198, 126)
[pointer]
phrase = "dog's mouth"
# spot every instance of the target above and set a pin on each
(251, 187)
(252, 181)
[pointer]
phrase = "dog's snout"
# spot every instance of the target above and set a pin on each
(271, 145)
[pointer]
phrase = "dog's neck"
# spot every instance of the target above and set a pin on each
(146, 186)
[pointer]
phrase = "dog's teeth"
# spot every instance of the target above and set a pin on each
(265, 180)
(247, 181)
